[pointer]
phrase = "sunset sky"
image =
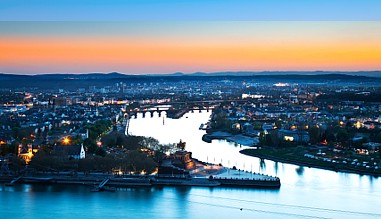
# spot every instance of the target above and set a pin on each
(181, 43)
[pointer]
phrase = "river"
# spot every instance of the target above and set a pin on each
(304, 193)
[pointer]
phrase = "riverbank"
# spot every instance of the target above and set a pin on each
(202, 175)
(239, 139)
(294, 159)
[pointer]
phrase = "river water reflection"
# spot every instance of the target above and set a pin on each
(305, 192)
(300, 185)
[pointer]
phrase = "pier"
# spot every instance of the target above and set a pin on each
(14, 181)
(102, 187)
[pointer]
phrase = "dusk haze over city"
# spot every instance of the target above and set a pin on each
(190, 109)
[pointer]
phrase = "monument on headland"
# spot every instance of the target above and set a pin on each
(182, 158)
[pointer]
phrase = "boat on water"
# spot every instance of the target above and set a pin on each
(206, 138)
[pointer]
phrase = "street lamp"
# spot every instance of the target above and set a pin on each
(66, 140)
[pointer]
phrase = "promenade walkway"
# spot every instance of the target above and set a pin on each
(202, 170)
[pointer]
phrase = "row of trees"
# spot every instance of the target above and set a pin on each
(133, 161)
(118, 140)
(8, 149)
(96, 130)
(272, 139)
(137, 143)
(127, 155)
(332, 134)
(343, 135)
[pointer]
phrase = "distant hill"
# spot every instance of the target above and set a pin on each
(75, 81)
(93, 76)
(14, 77)
(272, 73)
(86, 76)
(259, 75)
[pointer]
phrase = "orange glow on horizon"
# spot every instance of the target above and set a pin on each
(163, 55)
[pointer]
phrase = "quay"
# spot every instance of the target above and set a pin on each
(105, 181)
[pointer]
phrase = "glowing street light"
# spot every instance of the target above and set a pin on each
(66, 140)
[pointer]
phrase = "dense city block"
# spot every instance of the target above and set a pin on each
(78, 123)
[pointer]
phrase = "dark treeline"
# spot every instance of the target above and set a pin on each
(335, 97)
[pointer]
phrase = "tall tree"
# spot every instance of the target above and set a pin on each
(314, 133)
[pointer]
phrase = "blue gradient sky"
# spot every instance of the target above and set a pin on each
(222, 10)
(162, 36)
